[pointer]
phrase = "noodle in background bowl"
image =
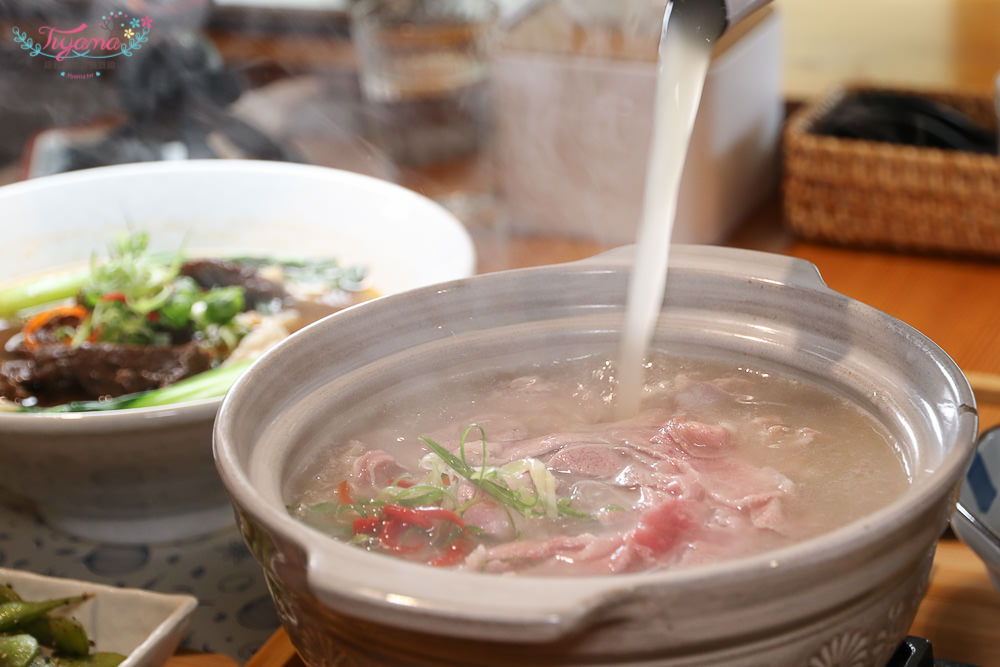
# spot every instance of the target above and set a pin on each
(845, 597)
(147, 475)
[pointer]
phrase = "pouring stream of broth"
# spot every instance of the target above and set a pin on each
(690, 28)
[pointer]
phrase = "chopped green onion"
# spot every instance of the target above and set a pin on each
(504, 487)
(210, 384)
(39, 291)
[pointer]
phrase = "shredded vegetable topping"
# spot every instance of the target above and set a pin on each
(424, 519)
(505, 484)
(138, 322)
(136, 298)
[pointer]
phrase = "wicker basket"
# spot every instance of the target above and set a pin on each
(867, 193)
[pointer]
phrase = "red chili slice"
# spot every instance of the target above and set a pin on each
(366, 526)
(455, 552)
(442, 514)
(408, 515)
(397, 535)
(344, 493)
(31, 327)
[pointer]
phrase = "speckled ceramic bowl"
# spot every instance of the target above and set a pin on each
(147, 474)
(844, 598)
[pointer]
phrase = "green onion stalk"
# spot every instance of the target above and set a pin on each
(209, 384)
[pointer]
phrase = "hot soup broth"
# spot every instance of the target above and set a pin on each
(721, 461)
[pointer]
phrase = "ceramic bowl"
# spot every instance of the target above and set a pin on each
(977, 514)
(844, 598)
(147, 475)
(143, 626)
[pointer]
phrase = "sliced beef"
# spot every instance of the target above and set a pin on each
(665, 526)
(13, 374)
(587, 551)
(697, 439)
(210, 273)
(374, 470)
(590, 460)
(95, 370)
(666, 489)
(503, 452)
(492, 520)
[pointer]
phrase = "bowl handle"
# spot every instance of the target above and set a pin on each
(428, 600)
(768, 266)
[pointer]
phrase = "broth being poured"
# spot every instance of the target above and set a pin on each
(689, 32)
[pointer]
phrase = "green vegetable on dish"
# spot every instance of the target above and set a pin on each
(15, 613)
(99, 659)
(63, 634)
(33, 292)
(18, 650)
(31, 637)
(8, 594)
(135, 298)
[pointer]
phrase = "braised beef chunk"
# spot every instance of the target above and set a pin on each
(99, 369)
(210, 273)
(13, 375)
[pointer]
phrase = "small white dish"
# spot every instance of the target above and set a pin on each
(977, 514)
(147, 627)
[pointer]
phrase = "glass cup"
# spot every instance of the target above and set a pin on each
(424, 70)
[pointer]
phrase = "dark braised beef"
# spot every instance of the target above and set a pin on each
(14, 376)
(258, 290)
(48, 370)
(99, 369)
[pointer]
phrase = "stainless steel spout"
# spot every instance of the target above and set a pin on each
(737, 10)
(710, 18)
